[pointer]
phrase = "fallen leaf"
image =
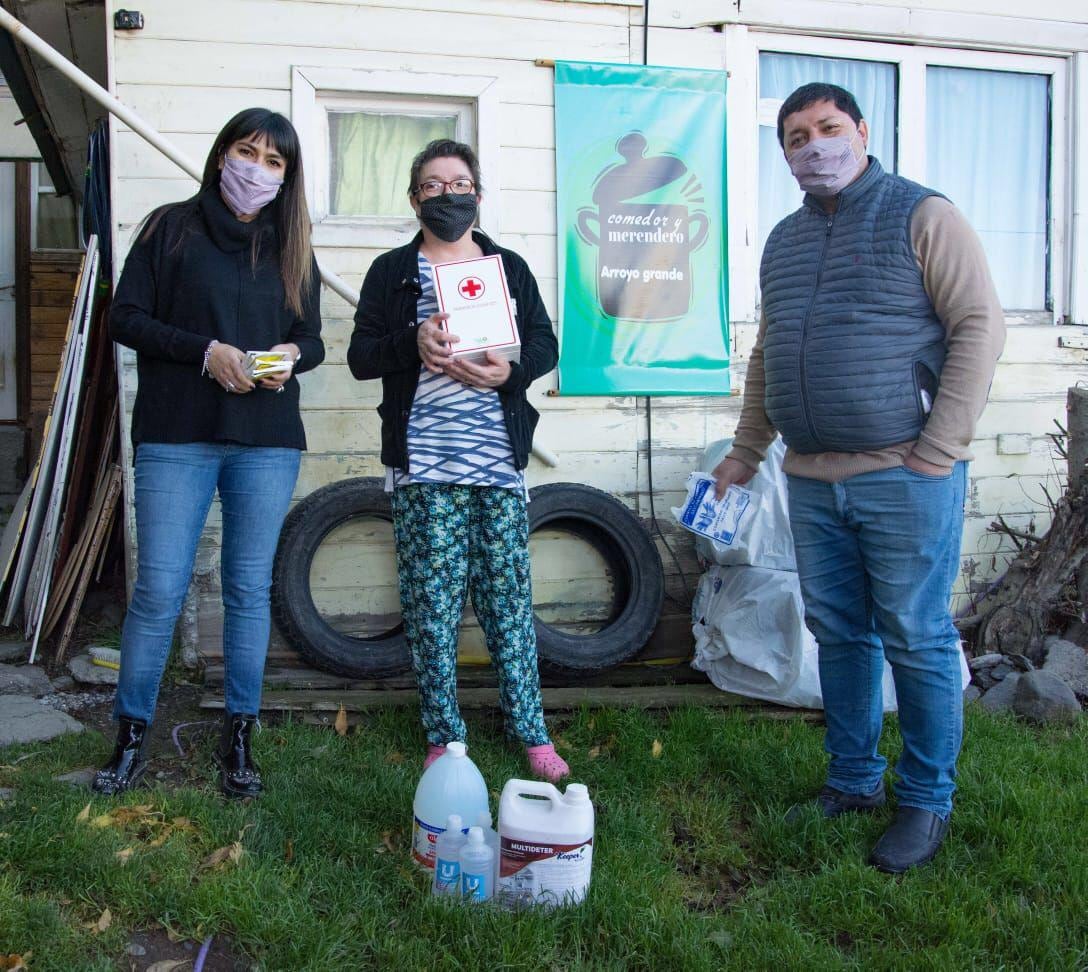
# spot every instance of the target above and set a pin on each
(216, 857)
(394, 757)
(655, 749)
(124, 855)
(289, 851)
(103, 820)
(387, 839)
(84, 815)
(236, 852)
(15, 962)
(104, 921)
(170, 965)
(341, 724)
(594, 752)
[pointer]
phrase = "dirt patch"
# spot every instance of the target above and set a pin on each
(712, 887)
(156, 945)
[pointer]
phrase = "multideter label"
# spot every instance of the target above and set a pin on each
(544, 873)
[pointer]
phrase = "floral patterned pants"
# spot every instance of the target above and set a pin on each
(451, 539)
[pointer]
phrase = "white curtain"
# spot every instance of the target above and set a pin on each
(872, 83)
(371, 154)
(987, 137)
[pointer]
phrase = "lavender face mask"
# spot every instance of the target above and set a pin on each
(825, 166)
(247, 186)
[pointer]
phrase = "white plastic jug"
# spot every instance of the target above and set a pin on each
(451, 784)
(546, 845)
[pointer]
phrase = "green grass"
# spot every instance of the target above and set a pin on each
(695, 866)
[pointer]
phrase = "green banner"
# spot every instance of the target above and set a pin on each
(640, 162)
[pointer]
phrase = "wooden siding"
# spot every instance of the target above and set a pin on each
(52, 283)
(196, 63)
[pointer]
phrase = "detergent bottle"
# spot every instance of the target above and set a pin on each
(545, 845)
(451, 784)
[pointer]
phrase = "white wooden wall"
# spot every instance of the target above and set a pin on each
(196, 63)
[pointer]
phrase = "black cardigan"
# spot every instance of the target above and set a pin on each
(383, 345)
(175, 297)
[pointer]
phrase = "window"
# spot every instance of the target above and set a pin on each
(998, 177)
(55, 219)
(360, 130)
(937, 116)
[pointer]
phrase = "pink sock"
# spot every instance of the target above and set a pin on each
(545, 761)
(433, 752)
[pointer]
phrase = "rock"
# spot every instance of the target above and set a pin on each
(65, 683)
(24, 680)
(971, 694)
(1069, 662)
(6, 793)
(999, 698)
(998, 672)
(79, 777)
(136, 950)
(985, 661)
(86, 671)
(1042, 697)
(24, 719)
(14, 650)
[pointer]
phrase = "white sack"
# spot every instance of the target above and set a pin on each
(763, 538)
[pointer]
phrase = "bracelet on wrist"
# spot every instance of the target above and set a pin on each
(207, 356)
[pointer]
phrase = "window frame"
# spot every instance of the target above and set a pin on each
(743, 48)
(315, 89)
(37, 190)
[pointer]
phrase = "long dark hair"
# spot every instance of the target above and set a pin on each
(288, 209)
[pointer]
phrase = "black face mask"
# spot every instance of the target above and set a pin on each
(450, 215)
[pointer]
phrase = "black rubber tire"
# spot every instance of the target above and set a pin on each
(596, 517)
(638, 577)
(293, 606)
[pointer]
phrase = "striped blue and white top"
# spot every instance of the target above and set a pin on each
(456, 433)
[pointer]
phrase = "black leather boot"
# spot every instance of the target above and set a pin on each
(238, 774)
(127, 765)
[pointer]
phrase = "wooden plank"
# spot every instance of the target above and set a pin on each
(322, 703)
(468, 676)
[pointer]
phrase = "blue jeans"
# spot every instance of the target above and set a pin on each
(877, 555)
(175, 484)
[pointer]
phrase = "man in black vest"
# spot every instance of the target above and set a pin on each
(880, 332)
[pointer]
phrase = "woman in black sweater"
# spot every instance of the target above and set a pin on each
(228, 271)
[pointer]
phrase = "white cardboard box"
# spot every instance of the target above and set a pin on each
(477, 297)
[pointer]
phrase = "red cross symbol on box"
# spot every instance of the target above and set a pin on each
(471, 288)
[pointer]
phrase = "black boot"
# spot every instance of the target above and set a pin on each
(238, 774)
(127, 764)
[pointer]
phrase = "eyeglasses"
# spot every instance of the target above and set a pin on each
(435, 187)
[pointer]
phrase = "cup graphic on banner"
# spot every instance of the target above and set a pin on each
(644, 248)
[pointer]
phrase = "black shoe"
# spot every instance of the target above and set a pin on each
(834, 803)
(238, 774)
(913, 839)
(127, 764)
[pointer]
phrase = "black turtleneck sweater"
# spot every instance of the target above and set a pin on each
(192, 280)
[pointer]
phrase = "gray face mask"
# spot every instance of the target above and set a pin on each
(449, 216)
(826, 166)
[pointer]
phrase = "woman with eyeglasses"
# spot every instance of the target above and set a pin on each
(456, 437)
(228, 271)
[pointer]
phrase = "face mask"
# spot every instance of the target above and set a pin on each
(247, 186)
(449, 216)
(825, 166)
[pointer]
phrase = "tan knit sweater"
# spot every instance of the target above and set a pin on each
(958, 282)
